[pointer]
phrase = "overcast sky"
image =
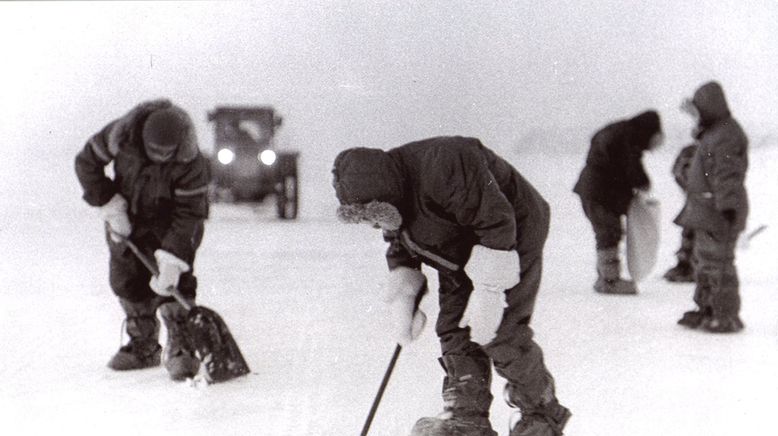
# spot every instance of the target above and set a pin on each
(347, 73)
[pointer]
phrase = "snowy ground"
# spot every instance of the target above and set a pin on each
(300, 299)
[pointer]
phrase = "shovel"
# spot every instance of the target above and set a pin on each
(212, 340)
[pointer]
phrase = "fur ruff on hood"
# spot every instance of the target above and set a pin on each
(127, 129)
(378, 213)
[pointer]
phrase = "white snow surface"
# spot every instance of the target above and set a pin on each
(302, 300)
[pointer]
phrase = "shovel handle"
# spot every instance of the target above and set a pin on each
(149, 264)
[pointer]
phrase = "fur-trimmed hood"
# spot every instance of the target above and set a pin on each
(127, 130)
(362, 175)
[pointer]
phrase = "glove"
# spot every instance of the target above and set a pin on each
(483, 314)
(402, 289)
(170, 270)
(493, 270)
(114, 213)
(730, 215)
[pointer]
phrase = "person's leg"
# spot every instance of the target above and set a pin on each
(716, 294)
(180, 360)
(718, 273)
(519, 359)
(683, 271)
(467, 383)
(129, 282)
(608, 231)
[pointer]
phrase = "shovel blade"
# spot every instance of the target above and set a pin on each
(215, 346)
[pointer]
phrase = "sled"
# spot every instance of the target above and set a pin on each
(213, 343)
(642, 236)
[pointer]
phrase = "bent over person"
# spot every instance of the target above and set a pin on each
(608, 182)
(158, 199)
(453, 204)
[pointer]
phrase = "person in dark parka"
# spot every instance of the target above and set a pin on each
(716, 208)
(613, 172)
(683, 271)
(453, 204)
(158, 199)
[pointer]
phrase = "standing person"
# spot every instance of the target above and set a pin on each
(716, 209)
(683, 271)
(158, 199)
(453, 204)
(613, 172)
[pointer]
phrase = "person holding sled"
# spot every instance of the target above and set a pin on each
(683, 271)
(716, 209)
(453, 204)
(612, 176)
(158, 199)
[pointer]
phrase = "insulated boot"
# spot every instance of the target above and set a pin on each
(467, 398)
(684, 271)
(143, 350)
(539, 417)
(180, 360)
(723, 324)
(609, 270)
(681, 273)
(694, 318)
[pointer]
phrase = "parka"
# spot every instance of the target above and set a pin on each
(168, 200)
(452, 193)
(716, 180)
(614, 166)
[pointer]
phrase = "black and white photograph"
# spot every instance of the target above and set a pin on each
(389, 218)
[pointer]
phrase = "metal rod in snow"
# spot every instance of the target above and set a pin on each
(381, 390)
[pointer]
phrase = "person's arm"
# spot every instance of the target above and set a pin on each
(190, 197)
(728, 172)
(90, 167)
(636, 173)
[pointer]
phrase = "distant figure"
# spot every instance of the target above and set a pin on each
(716, 209)
(683, 271)
(158, 199)
(453, 204)
(612, 175)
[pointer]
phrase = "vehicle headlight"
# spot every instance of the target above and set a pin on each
(267, 157)
(225, 156)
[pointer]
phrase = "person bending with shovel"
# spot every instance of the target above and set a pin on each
(157, 199)
(453, 204)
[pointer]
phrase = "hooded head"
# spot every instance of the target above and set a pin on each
(646, 129)
(167, 133)
(369, 187)
(710, 103)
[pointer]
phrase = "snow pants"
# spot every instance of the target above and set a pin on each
(686, 252)
(516, 356)
(129, 278)
(717, 288)
(608, 229)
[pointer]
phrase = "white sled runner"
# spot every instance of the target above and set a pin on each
(642, 236)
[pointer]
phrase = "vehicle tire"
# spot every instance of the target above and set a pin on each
(287, 195)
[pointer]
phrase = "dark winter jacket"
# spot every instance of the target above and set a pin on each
(718, 169)
(452, 193)
(614, 166)
(681, 165)
(167, 199)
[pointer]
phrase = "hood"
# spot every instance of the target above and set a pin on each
(643, 127)
(127, 127)
(710, 102)
(362, 175)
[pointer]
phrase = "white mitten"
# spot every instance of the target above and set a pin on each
(493, 270)
(115, 214)
(483, 314)
(402, 289)
(170, 270)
